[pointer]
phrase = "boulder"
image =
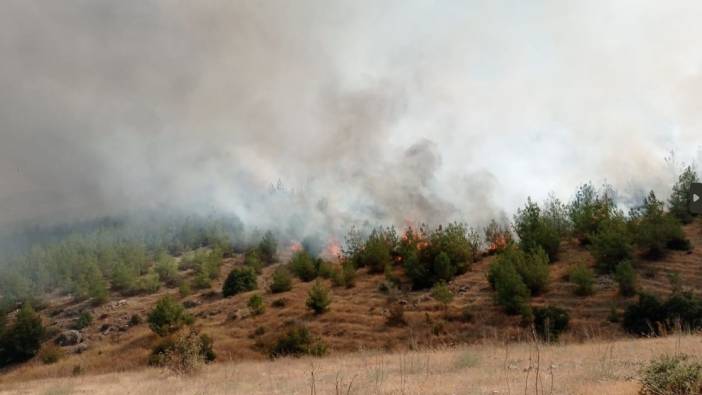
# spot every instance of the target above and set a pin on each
(69, 338)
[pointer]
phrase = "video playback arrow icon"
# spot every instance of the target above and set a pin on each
(696, 201)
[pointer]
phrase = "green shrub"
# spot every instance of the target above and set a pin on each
(83, 321)
(453, 240)
(626, 278)
(644, 317)
(583, 278)
(135, 320)
(673, 375)
(279, 303)
(535, 231)
(318, 298)
(510, 291)
(168, 316)
(303, 266)
(297, 341)
(534, 271)
(588, 209)
(184, 289)
(252, 260)
(148, 283)
(550, 322)
(167, 270)
(376, 252)
(344, 276)
(281, 281)
(681, 197)
(611, 244)
(239, 280)
(683, 309)
(22, 340)
(268, 248)
(442, 294)
(655, 230)
(255, 305)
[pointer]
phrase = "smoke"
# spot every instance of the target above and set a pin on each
(367, 112)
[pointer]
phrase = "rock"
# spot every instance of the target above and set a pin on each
(403, 302)
(80, 348)
(69, 338)
(189, 304)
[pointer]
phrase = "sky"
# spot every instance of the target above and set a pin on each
(359, 111)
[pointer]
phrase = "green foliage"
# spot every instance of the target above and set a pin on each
(83, 321)
(655, 230)
(442, 294)
(296, 342)
(239, 280)
(583, 278)
(303, 266)
(51, 354)
(532, 268)
(376, 252)
(168, 316)
(555, 214)
(255, 305)
(184, 289)
(589, 208)
(651, 317)
(680, 198)
(611, 243)
(281, 281)
(675, 375)
(148, 283)
(268, 248)
(550, 322)
(436, 255)
(318, 298)
(510, 291)
(345, 275)
(626, 278)
(135, 320)
(167, 270)
(252, 260)
(22, 340)
(535, 230)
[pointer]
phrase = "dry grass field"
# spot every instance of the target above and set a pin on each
(601, 368)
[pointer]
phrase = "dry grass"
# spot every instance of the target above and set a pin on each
(591, 368)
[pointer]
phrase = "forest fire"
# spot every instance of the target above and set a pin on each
(498, 243)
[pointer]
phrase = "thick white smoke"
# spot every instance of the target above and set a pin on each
(366, 111)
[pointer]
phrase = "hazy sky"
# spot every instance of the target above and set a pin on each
(367, 110)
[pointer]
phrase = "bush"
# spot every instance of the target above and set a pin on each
(453, 240)
(303, 266)
(253, 261)
(184, 289)
(376, 252)
(535, 231)
(683, 310)
(255, 305)
(51, 353)
(681, 197)
(674, 375)
(268, 248)
(239, 280)
(279, 303)
(135, 320)
(644, 317)
(442, 294)
(184, 353)
(510, 291)
(344, 276)
(296, 342)
(167, 270)
(532, 268)
(611, 244)
(655, 230)
(318, 298)
(583, 278)
(84, 320)
(626, 277)
(588, 209)
(22, 340)
(148, 284)
(396, 315)
(168, 316)
(550, 322)
(281, 281)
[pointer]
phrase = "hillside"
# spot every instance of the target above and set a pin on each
(357, 318)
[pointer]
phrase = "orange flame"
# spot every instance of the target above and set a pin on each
(295, 246)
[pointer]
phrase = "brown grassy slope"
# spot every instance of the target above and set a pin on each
(356, 320)
(592, 368)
